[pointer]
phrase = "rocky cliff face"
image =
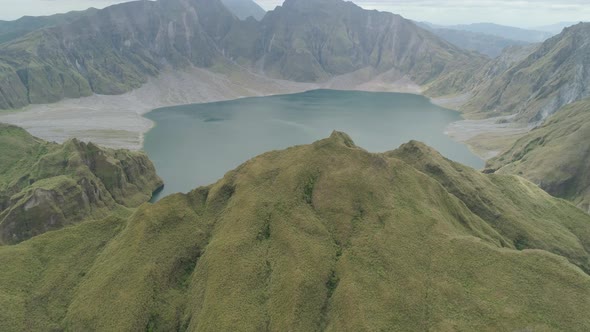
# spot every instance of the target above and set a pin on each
(314, 40)
(403, 241)
(47, 186)
(112, 51)
(555, 74)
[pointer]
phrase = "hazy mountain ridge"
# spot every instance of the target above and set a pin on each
(486, 44)
(555, 74)
(489, 45)
(46, 186)
(508, 32)
(355, 240)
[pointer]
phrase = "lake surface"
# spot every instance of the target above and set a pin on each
(195, 145)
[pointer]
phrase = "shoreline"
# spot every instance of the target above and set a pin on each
(486, 138)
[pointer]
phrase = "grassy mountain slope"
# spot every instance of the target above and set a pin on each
(555, 74)
(45, 186)
(555, 155)
(319, 237)
(244, 9)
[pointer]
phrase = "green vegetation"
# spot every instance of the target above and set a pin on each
(555, 155)
(45, 186)
(318, 237)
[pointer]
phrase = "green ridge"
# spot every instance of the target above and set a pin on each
(317, 237)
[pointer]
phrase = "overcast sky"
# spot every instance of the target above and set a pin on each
(522, 13)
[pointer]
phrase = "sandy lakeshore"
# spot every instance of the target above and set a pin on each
(487, 138)
(117, 121)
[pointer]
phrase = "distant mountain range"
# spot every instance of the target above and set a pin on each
(117, 49)
(502, 31)
(483, 43)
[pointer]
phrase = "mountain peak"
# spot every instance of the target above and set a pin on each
(580, 28)
(342, 139)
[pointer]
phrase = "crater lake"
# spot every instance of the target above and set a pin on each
(195, 145)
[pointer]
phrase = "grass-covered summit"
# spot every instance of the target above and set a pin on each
(323, 237)
(45, 186)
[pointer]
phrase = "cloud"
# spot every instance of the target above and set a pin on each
(523, 13)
